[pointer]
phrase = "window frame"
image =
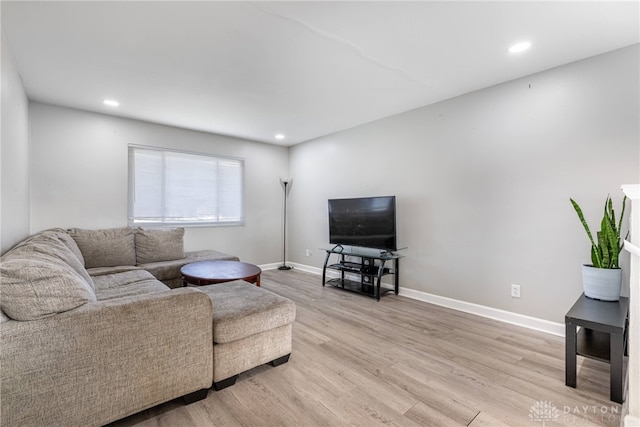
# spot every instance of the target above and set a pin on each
(131, 149)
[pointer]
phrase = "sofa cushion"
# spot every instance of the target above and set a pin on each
(54, 243)
(128, 283)
(37, 287)
(101, 271)
(159, 244)
(61, 235)
(107, 247)
(241, 309)
(70, 243)
(168, 270)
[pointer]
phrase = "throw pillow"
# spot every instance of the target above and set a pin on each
(159, 244)
(105, 248)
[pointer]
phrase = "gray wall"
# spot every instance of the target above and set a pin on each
(483, 182)
(79, 177)
(14, 155)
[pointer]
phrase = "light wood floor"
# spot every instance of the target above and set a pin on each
(399, 362)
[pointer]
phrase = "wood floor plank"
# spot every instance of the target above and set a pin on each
(425, 415)
(485, 420)
(398, 362)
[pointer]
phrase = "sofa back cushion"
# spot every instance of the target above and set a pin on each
(36, 285)
(68, 241)
(159, 244)
(105, 248)
(54, 243)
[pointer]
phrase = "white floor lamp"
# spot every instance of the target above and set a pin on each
(286, 185)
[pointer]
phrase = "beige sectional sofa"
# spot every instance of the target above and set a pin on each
(90, 334)
(158, 251)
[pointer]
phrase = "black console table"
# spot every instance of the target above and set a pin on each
(602, 336)
(370, 265)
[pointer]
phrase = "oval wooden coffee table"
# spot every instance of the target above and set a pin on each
(202, 273)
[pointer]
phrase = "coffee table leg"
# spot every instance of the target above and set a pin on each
(258, 281)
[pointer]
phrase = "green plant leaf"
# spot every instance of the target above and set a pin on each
(603, 246)
(595, 256)
(610, 213)
(624, 203)
(595, 259)
(613, 242)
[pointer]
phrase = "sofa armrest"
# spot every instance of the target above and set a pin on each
(106, 360)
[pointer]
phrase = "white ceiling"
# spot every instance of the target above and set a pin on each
(304, 69)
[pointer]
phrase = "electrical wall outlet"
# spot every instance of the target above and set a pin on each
(515, 291)
(308, 252)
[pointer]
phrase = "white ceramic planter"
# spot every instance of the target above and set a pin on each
(602, 283)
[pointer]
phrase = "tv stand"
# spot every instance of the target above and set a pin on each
(370, 265)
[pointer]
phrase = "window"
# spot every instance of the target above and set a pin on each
(173, 187)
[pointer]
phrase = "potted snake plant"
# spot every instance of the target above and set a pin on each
(602, 279)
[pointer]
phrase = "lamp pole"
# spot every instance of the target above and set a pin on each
(284, 265)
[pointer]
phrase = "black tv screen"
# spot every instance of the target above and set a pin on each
(368, 222)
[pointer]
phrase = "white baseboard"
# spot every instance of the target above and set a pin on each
(272, 266)
(466, 307)
(293, 265)
(310, 269)
(489, 312)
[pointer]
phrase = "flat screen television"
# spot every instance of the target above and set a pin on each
(368, 222)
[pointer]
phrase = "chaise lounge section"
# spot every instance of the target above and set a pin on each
(251, 327)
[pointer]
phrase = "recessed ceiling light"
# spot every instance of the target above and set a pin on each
(519, 47)
(111, 102)
(279, 136)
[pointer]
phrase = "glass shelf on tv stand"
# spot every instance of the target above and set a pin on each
(370, 269)
(361, 252)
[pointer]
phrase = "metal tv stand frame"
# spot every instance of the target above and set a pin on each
(370, 268)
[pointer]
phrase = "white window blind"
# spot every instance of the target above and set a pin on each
(173, 187)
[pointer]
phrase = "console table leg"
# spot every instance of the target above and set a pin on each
(380, 271)
(616, 352)
(324, 268)
(397, 276)
(570, 354)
